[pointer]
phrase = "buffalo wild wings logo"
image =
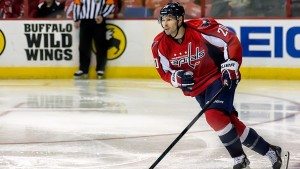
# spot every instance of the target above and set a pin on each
(2, 42)
(116, 40)
(191, 59)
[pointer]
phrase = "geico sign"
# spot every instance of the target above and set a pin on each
(269, 41)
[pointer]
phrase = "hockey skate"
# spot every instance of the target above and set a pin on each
(100, 74)
(278, 158)
(241, 162)
(80, 75)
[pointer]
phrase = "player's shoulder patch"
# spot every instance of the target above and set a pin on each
(199, 23)
(202, 24)
(205, 22)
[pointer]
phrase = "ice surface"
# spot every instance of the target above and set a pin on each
(127, 124)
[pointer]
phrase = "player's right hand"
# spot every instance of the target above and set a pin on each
(182, 79)
(230, 73)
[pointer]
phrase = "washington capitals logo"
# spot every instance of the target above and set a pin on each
(189, 58)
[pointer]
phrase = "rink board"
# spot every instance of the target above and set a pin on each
(136, 72)
(49, 49)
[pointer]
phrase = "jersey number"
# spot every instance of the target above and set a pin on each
(223, 29)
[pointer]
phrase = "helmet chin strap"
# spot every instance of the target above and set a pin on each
(177, 30)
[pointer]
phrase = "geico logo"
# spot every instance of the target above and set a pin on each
(270, 41)
(2, 42)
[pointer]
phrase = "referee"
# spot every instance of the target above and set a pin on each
(90, 17)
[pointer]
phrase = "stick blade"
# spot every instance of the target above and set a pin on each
(285, 156)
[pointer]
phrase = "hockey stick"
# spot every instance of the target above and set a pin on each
(188, 127)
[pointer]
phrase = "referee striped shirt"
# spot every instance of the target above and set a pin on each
(90, 9)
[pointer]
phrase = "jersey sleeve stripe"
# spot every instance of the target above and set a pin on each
(164, 62)
(217, 42)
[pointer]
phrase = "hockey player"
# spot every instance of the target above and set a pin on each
(200, 56)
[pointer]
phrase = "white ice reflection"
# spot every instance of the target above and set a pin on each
(127, 124)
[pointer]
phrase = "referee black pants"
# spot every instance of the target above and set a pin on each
(89, 31)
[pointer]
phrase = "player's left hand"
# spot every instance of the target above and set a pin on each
(230, 73)
(182, 79)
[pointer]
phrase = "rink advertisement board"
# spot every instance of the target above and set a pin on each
(272, 43)
(32, 43)
(51, 47)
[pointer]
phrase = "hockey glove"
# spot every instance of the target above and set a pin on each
(182, 79)
(230, 73)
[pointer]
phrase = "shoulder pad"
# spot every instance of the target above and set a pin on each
(157, 39)
(202, 23)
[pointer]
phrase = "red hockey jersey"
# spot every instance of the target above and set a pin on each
(205, 45)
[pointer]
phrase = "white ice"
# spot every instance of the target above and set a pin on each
(127, 124)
